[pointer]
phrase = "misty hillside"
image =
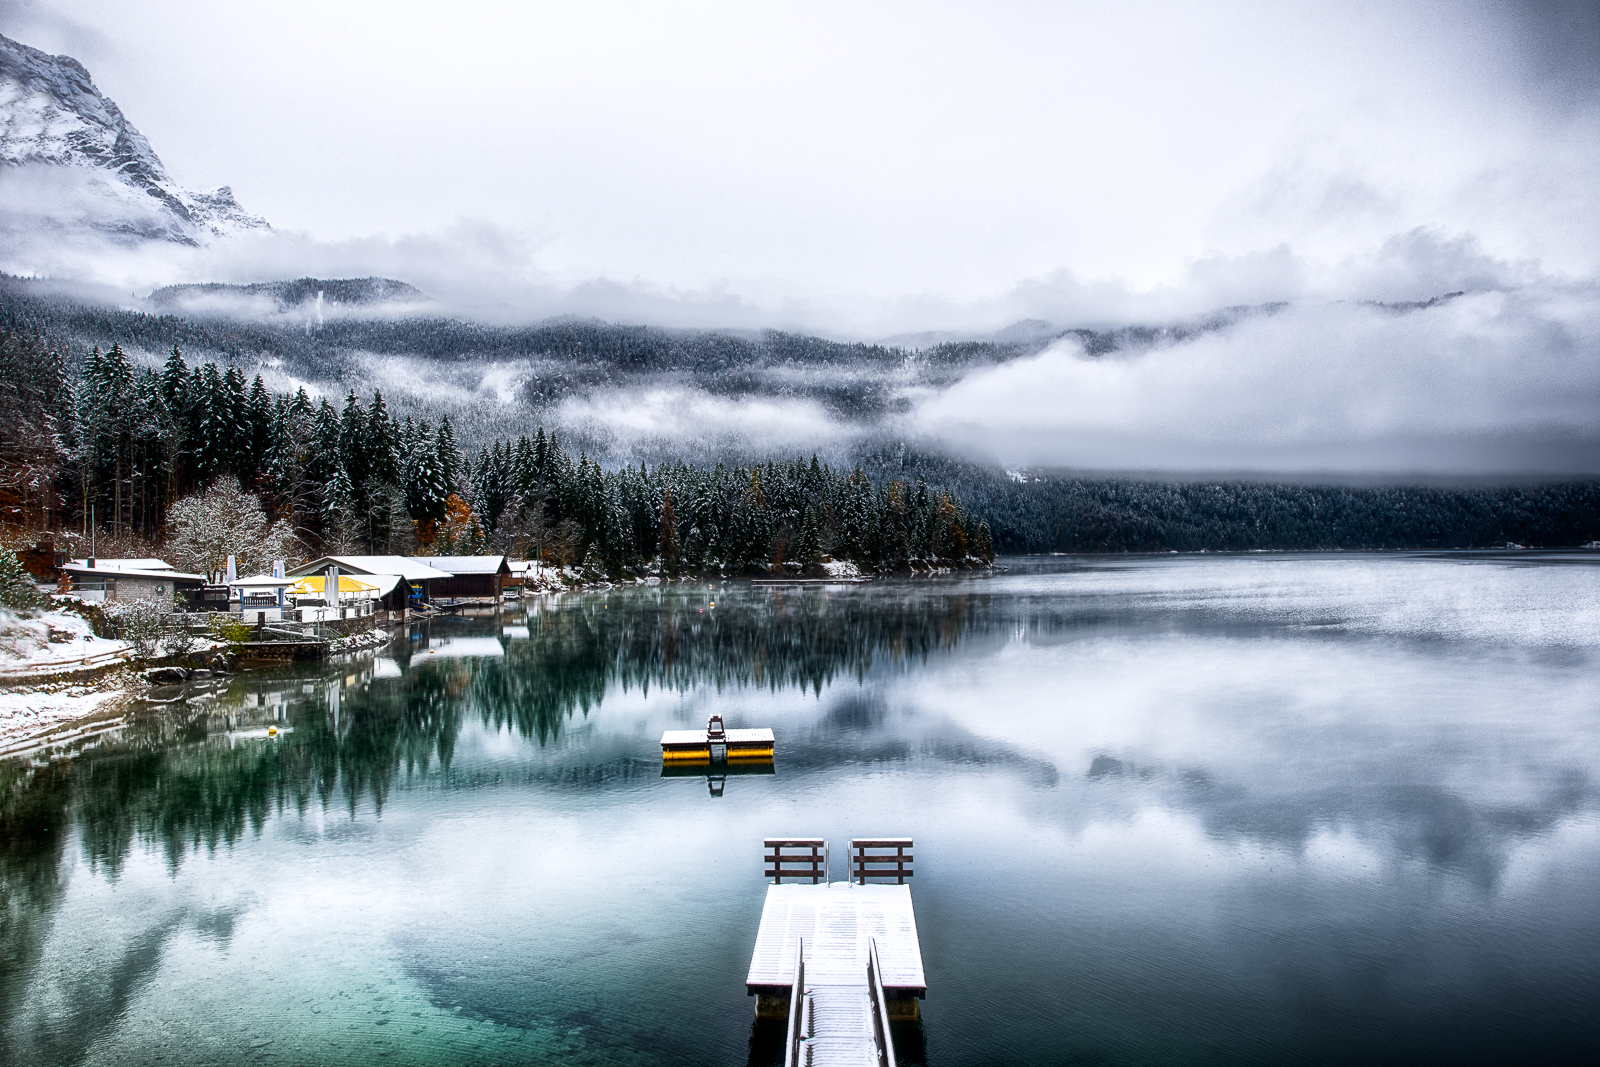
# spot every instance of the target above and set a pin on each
(282, 328)
(501, 382)
(311, 294)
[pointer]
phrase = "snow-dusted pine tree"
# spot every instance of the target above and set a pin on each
(17, 590)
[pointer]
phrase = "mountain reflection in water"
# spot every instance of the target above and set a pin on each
(1167, 811)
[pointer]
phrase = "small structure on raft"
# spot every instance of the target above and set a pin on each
(716, 744)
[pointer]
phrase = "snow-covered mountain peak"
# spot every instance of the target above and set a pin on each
(52, 116)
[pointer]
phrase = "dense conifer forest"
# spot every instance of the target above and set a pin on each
(1074, 514)
(106, 444)
(355, 472)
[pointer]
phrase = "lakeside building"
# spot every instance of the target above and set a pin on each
(411, 579)
(260, 597)
(353, 598)
(99, 580)
(478, 577)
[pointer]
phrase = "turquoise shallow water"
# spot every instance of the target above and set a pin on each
(1261, 809)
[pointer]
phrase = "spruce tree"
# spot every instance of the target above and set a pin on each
(449, 455)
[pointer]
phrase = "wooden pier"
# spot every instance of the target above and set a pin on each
(838, 960)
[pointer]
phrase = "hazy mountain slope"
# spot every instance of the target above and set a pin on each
(310, 296)
(70, 154)
(628, 393)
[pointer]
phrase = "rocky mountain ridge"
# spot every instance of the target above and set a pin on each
(54, 122)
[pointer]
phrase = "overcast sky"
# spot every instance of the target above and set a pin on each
(876, 169)
(878, 150)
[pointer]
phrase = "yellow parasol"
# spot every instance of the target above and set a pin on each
(314, 585)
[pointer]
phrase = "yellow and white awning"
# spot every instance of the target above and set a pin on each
(316, 585)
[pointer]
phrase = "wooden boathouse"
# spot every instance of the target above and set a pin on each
(839, 961)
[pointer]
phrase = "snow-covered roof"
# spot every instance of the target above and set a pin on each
(467, 564)
(167, 575)
(409, 569)
(384, 583)
(102, 564)
(261, 581)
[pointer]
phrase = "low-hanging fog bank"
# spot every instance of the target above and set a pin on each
(1483, 369)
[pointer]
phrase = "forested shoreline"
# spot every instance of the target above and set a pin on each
(106, 444)
(95, 435)
(1034, 512)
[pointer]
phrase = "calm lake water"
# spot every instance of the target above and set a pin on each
(1170, 810)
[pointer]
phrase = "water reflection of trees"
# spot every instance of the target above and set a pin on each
(576, 650)
(178, 781)
(182, 781)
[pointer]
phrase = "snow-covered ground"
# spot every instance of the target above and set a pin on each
(32, 650)
(543, 578)
(51, 643)
(32, 710)
(356, 642)
(841, 568)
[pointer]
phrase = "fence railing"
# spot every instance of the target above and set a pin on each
(880, 1006)
(808, 860)
(797, 997)
(871, 858)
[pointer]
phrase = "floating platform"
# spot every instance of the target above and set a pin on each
(715, 743)
(738, 744)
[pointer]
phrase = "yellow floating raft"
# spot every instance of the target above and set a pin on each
(716, 743)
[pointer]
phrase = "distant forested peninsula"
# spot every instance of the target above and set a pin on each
(1030, 512)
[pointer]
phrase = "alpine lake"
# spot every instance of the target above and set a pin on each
(1211, 809)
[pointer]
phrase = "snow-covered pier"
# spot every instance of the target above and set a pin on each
(838, 960)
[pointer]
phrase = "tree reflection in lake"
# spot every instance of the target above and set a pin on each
(188, 779)
(1179, 811)
(578, 647)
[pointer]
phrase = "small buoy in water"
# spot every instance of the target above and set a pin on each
(713, 603)
(271, 730)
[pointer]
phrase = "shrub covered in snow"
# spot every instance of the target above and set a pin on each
(143, 624)
(206, 528)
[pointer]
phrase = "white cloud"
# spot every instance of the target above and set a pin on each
(634, 418)
(1501, 381)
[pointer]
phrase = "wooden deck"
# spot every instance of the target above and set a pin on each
(695, 745)
(836, 920)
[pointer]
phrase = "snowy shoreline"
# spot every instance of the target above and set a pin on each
(30, 714)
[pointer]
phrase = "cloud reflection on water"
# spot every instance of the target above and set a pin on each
(1289, 751)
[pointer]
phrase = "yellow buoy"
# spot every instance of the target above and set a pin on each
(271, 730)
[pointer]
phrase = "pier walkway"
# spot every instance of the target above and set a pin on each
(839, 960)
